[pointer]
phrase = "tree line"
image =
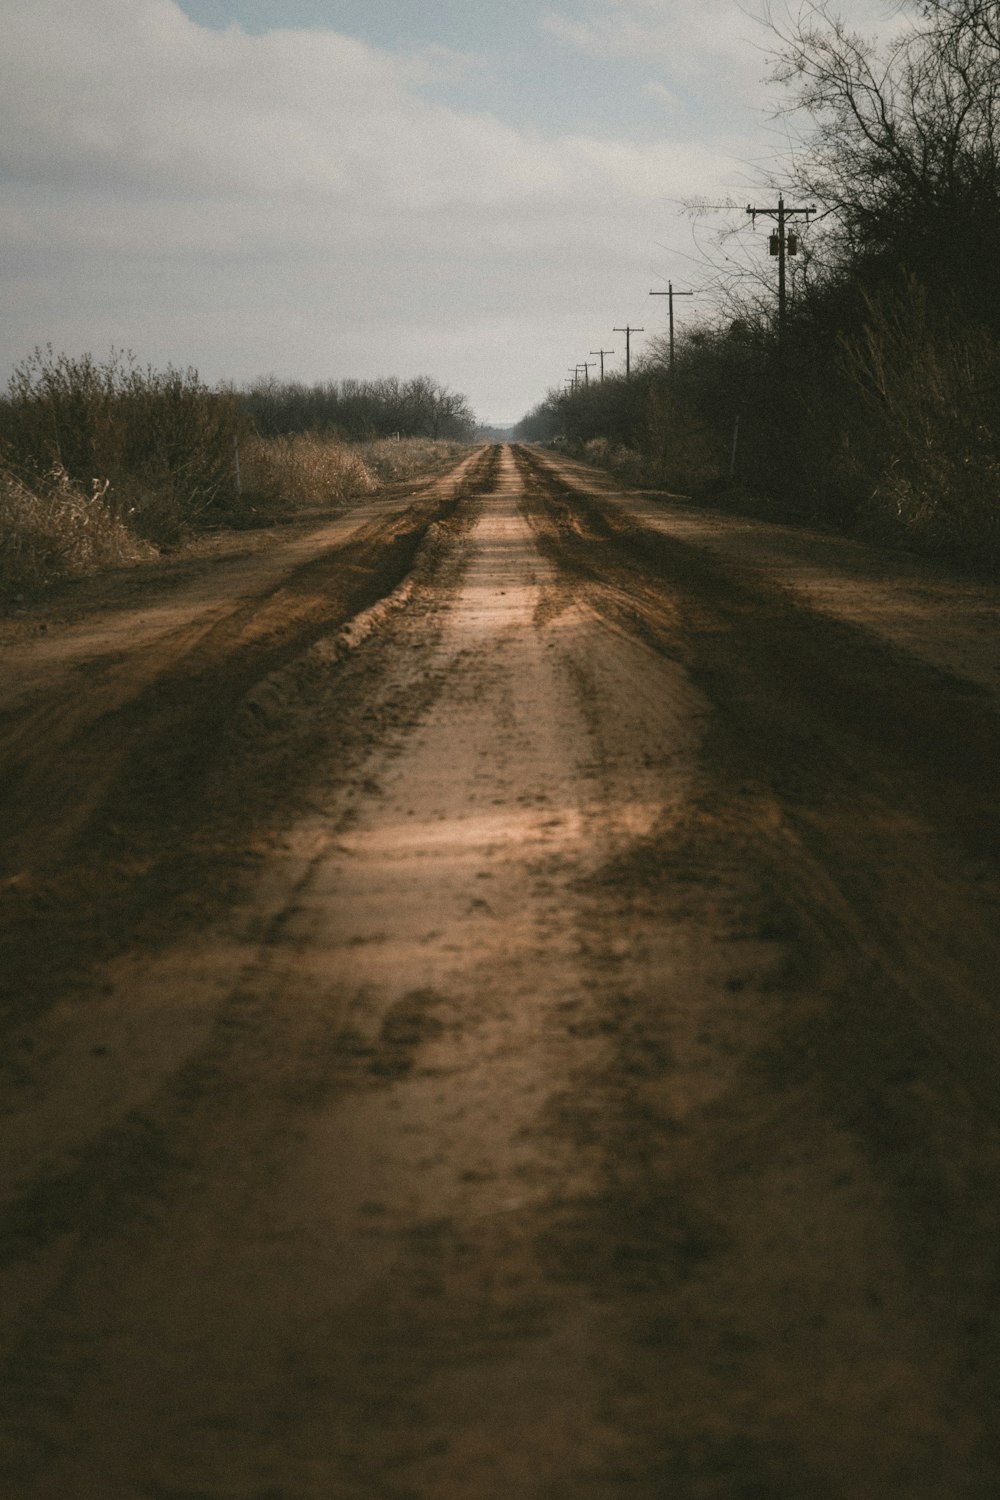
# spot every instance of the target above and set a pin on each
(875, 402)
(359, 410)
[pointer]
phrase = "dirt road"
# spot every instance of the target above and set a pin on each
(500, 1001)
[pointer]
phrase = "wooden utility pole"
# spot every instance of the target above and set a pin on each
(628, 332)
(671, 294)
(782, 244)
(602, 353)
(586, 372)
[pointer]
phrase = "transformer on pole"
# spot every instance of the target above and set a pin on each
(782, 244)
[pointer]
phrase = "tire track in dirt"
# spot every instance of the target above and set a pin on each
(850, 817)
(859, 742)
(555, 1117)
(117, 804)
(277, 1036)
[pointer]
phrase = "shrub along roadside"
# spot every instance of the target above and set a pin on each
(886, 424)
(159, 443)
(873, 403)
(301, 469)
(57, 531)
(393, 460)
(101, 463)
(306, 469)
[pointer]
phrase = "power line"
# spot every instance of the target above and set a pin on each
(602, 353)
(782, 244)
(671, 294)
(628, 332)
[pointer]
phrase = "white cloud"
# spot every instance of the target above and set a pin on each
(580, 34)
(689, 40)
(248, 201)
(721, 46)
(661, 94)
(130, 96)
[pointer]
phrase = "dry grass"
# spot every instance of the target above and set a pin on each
(926, 429)
(162, 439)
(56, 531)
(303, 470)
(309, 470)
(391, 459)
(52, 529)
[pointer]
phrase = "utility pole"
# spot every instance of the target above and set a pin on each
(671, 294)
(628, 332)
(602, 353)
(575, 376)
(782, 244)
(586, 372)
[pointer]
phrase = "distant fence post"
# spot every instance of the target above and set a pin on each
(236, 465)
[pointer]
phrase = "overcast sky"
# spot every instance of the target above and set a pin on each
(322, 189)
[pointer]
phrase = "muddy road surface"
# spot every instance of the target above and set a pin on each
(500, 1003)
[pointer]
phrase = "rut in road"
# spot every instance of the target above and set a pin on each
(560, 1113)
(132, 776)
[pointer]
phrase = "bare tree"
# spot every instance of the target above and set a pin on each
(903, 142)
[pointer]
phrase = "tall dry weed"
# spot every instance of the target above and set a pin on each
(57, 531)
(394, 459)
(926, 436)
(162, 439)
(303, 470)
(307, 469)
